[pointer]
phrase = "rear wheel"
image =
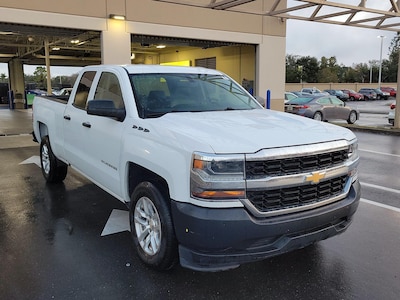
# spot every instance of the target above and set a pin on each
(352, 117)
(317, 116)
(152, 228)
(53, 169)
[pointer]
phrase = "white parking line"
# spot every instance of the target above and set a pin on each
(392, 208)
(380, 187)
(380, 153)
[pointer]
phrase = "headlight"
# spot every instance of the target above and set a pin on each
(353, 151)
(353, 160)
(217, 177)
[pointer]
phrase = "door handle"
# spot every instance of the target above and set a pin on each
(86, 124)
(67, 117)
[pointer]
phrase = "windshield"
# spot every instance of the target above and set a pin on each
(158, 94)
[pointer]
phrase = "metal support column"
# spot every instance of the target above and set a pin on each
(47, 58)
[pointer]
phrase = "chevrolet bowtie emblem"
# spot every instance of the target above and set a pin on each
(315, 177)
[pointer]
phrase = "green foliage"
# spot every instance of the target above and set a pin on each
(309, 69)
(40, 76)
(3, 77)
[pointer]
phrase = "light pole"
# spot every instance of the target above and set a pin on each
(380, 61)
(370, 71)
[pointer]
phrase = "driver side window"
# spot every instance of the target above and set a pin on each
(108, 88)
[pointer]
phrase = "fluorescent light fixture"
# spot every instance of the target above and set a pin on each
(74, 41)
(55, 48)
(117, 17)
(160, 46)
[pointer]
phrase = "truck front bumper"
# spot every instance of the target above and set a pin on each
(221, 239)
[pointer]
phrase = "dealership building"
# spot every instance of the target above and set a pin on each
(245, 39)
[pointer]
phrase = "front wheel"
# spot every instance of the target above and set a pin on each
(352, 117)
(53, 169)
(152, 228)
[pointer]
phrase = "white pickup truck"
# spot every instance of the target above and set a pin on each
(211, 179)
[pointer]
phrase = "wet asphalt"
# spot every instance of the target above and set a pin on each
(56, 241)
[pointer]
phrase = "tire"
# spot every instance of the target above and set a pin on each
(352, 98)
(152, 228)
(317, 116)
(53, 169)
(352, 117)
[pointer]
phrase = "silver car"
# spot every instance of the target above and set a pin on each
(322, 108)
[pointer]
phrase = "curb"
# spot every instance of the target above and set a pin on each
(378, 130)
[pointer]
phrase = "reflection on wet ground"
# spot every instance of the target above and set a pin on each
(51, 247)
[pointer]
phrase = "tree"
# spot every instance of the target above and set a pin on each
(329, 70)
(40, 76)
(393, 62)
(293, 73)
(3, 77)
(309, 67)
(327, 75)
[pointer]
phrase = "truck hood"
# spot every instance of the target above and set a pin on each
(245, 131)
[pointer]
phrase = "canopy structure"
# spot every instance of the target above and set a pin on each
(382, 14)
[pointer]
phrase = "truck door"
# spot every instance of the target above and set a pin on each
(104, 142)
(93, 143)
(75, 118)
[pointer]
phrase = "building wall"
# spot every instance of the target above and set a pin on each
(237, 61)
(155, 12)
(267, 34)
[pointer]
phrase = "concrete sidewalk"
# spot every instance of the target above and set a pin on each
(15, 122)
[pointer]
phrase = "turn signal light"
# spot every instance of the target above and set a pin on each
(219, 194)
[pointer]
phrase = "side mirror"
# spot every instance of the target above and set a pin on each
(105, 108)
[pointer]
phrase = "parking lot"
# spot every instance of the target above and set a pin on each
(71, 241)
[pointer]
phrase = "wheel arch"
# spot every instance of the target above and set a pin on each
(138, 174)
(43, 131)
(320, 113)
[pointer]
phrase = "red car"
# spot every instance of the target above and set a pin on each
(354, 95)
(390, 90)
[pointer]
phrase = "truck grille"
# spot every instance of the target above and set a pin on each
(294, 165)
(288, 197)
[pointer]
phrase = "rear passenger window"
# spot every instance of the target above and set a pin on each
(82, 91)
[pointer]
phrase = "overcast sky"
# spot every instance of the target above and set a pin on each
(349, 45)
